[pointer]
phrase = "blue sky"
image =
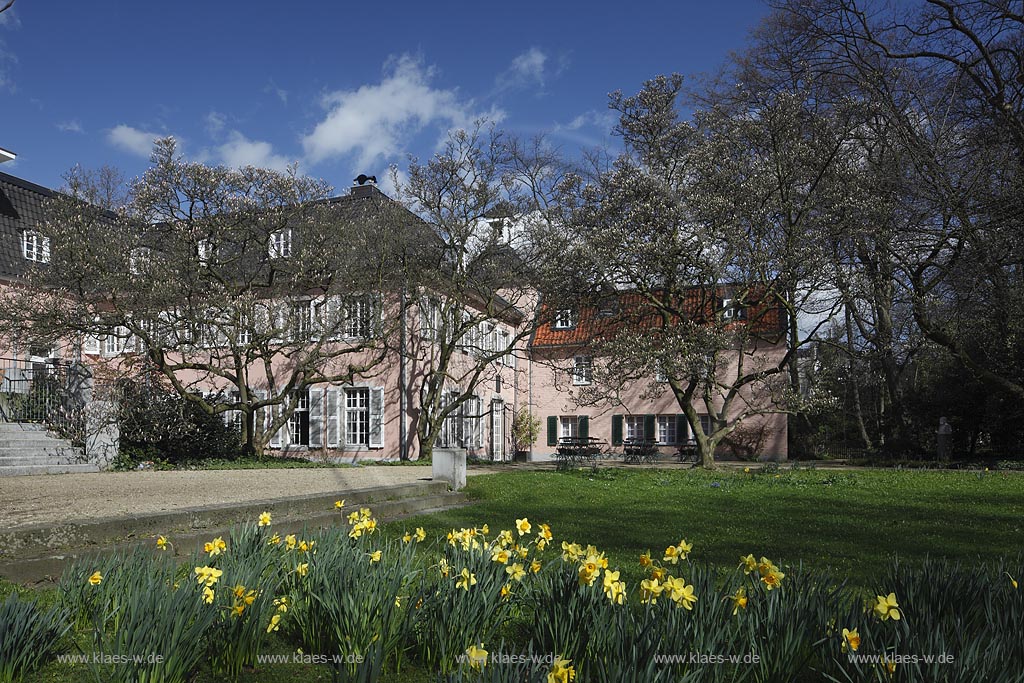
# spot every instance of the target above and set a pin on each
(340, 87)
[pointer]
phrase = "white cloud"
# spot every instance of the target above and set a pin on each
(72, 126)
(214, 123)
(240, 151)
(374, 122)
(526, 69)
(603, 120)
(132, 140)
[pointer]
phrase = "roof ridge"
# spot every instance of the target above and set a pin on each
(26, 184)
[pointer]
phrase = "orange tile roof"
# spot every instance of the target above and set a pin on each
(634, 309)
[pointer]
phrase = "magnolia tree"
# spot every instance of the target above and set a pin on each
(476, 294)
(703, 230)
(237, 288)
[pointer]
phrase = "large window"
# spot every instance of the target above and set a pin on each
(299, 321)
(298, 423)
(358, 316)
(280, 244)
(568, 426)
(583, 370)
(357, 416)
(667, 432)
(634, 427)
(35, 246)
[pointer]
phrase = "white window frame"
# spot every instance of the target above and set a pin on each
(565, 319)
(633, 427)
(583, 370)
(35, 246)
(358, 312)
(280, 244)
(300, 321)
(204, 250)
(356, 412)
(568, 426)
(667, 433)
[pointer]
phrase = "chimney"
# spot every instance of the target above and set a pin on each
(7, 156)
(366, 185)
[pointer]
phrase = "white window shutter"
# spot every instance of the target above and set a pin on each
(376, 417)
(331, 417)
(316, 410)
(272, 415)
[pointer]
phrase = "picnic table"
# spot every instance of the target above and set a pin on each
(578, 450)
(640, 451)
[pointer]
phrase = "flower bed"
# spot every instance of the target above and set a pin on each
(517, 604)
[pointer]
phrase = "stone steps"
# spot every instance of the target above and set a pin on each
(27, 449)
(39, 553)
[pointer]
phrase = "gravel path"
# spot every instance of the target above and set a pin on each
(71, 497)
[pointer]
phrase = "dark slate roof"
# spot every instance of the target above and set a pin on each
(21, 208)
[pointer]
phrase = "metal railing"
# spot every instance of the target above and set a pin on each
(40, 391)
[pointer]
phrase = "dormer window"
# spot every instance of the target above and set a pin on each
(35, 246)
(565, 318)
(204, 250)
(733, 310)
(280, 245)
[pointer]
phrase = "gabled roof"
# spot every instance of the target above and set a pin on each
(631, 309)
(21, 208)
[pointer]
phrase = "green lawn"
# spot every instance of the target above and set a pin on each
(853, 522)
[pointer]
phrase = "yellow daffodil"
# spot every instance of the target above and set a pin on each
(1013, 581)
(657, 573)
(746, 470)
(96, 579)
(523, 526)
(476, 656)
(274, 622)
(375, 556)
(208, 595)
(406, 537)
(485, 529)
(353, 517)
(500, 555)
(671, 554)
(161, 543)
(338, 504)
(506, 591)
(748, 564)
(765, 565)
(679, 592)
(302, 569)
(516, 571)
(364, 513)
(886, 607)
(215, 547)
(773, 579)
(465, 580)
(561, 671)
(650, 590)
(545, 532)
(264, 519)
(421, 535)
(208, 576)
(535, 566)
(281, 604)
(443, 568)
(739, 600)
(571, 552)
(645, 559)
(851, 639)
(237, 610)
(306, 546)
(290, 541)
(274, 540)
(683, 549)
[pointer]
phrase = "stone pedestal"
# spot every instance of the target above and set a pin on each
(449, 464)
(101, 433)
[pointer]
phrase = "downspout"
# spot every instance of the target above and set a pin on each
(403, 437)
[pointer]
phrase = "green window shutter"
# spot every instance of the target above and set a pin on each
(552, 430)
(616, 430)
(584, 427)
(682, 428)
(650, 427)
